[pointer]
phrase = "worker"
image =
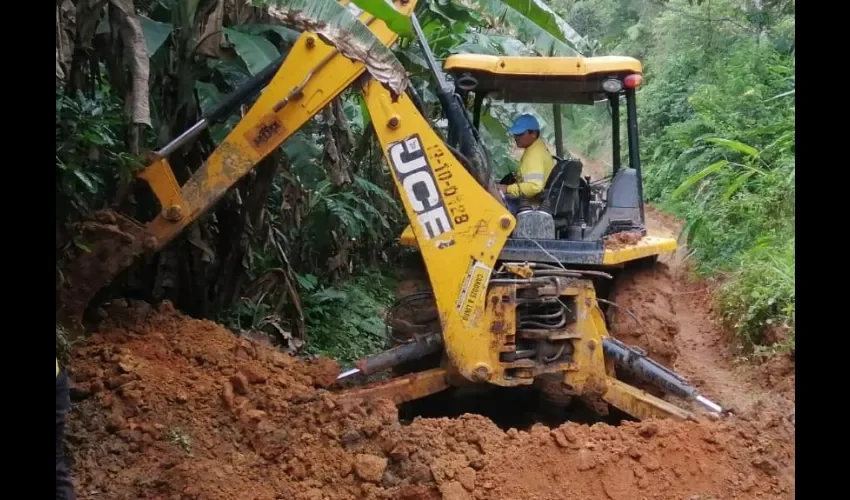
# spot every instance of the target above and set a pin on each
(534, 167)
(64, 487)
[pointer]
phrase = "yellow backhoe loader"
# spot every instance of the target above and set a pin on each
(515, 296)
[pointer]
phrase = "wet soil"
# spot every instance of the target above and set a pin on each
(170, 407)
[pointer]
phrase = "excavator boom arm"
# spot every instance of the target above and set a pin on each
(460, 226)
(313, 74)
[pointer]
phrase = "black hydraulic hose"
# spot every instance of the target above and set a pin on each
(242, 94)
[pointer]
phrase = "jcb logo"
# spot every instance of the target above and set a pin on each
(265, 132)
(416, 177)
(266, 135)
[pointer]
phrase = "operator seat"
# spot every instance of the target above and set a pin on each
(560, 194)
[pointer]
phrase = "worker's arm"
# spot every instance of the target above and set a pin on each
(531, 170)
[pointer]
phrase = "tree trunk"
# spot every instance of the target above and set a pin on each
(236, 237)
(87, 18)
(338, 140)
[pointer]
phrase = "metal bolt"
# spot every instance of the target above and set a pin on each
(591, 344)
(481, 374)
(505, 222)
(311, 42)
(174, 213)
(393, 122)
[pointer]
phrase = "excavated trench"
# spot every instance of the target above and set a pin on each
(519, 408)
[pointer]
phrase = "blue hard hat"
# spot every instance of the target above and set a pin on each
(523, 124)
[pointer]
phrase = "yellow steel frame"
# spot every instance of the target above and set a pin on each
(554, 67)
(460, 227)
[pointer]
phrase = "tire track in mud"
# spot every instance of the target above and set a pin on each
(708, 358)
(706, 350)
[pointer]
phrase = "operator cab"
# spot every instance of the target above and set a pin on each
(576, 212)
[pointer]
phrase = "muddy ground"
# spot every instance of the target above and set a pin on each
(169, 407)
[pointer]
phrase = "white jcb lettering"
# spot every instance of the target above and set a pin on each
(421, 178)
(434, 222)
(419, 186)
(405, 167)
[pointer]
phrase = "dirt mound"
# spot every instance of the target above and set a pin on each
(112, 242)
(622, 240)
(168, 407)
(644, 314)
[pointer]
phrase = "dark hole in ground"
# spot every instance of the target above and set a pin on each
(507, 407)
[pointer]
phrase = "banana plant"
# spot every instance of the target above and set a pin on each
(533, 22)
(753, 164)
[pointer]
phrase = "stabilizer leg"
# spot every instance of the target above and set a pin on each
(640, 404)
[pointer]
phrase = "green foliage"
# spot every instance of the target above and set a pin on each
(717, 117)
(347, 323)
(385, 11)
(256, 51)
(353, 210)
(90, 155)
(759, 301)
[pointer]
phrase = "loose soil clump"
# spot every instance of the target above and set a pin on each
(110, 243)
(169, 407)
(644, 314)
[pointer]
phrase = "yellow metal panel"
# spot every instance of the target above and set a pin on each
(648, 246)
(160, 178)
(640, 404)
(263, 128)
(460, 227)
(590, 372)
(542, 66)
(499, 324)
(402, 389)
(407, 238)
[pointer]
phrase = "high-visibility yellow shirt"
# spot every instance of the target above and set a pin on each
(534, 168)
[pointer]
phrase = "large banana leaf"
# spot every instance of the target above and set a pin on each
(156, 33)
(533, 22)
(339, 26)
(286, 34)
(384, 10)
(256, 51)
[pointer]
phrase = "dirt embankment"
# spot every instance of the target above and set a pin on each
(169, 407)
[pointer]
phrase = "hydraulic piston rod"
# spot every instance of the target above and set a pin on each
(635, 361)
(386, 360)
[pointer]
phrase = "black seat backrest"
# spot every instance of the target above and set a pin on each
(561, 189)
